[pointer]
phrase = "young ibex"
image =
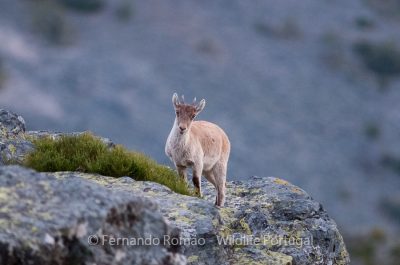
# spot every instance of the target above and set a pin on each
(201, 145)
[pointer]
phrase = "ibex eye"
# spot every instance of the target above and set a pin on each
(193, 116)
(177, 113)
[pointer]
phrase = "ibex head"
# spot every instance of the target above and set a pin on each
(185, 113)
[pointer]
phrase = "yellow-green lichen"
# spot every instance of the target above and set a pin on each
(192, 259)
(281, 182)
(280, 258)
(297, 190)
(12, 149)
(178, 217)
(245, 226)
(241, 256)
(4, 194)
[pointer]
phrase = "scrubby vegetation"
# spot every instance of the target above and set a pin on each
(391, 208)
(84, 5)
(50, 22)
(365, 248)
(124, 10)
(89, 154)
(381, 58)
(372, 130)
(391, 162)
(364, 23)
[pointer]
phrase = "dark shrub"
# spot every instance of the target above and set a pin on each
(382, 59)
(84, 5)
(50, 22)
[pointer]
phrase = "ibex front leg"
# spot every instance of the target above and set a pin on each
(182, 172)
(197, 171)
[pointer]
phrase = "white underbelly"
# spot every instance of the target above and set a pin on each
(209, 162)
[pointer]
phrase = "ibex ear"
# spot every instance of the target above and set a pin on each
(175, 100)
(201, 105)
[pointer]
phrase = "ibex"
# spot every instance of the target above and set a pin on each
(200, 145)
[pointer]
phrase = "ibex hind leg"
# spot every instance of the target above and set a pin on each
(219, 172)
(209, 175)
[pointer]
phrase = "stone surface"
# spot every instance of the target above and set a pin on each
(13, 142)
(291, 227)
(48, 220)
(11, 122)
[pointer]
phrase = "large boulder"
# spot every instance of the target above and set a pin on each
(49, 220)
(265, 221)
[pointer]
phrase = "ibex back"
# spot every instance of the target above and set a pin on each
(200, 145)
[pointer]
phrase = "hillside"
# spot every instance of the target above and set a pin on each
(283, 78)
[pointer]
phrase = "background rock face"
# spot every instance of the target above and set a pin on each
(280, 76)
(47, 218)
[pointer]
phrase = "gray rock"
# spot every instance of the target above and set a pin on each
(13, 142)
(292, 228)
(11, 123)
(49, 220)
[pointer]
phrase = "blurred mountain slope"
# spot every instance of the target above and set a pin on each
(280, 77)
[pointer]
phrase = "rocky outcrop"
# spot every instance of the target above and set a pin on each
(265, 220)
(49, 220)
(13, 142)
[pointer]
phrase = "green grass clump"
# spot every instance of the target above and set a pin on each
(89, 154)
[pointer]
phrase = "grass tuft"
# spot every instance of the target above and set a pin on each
(86, 153)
